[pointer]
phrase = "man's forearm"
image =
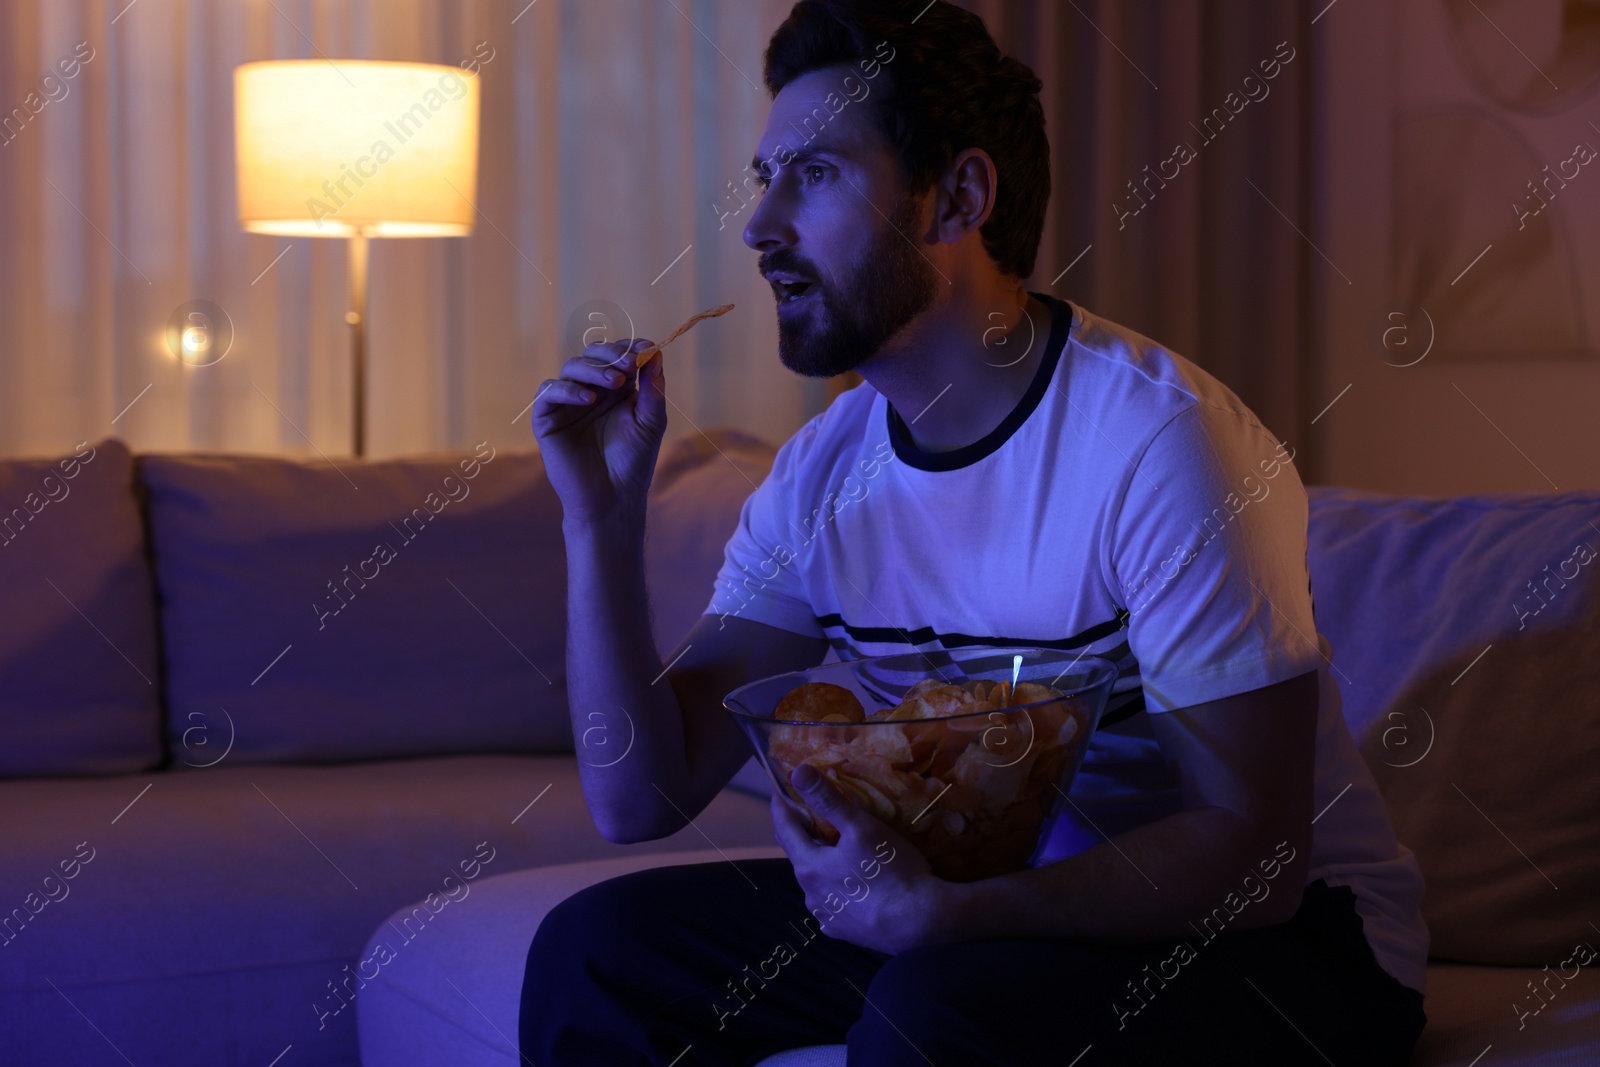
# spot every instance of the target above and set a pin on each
(611, 661)
(1157, 882)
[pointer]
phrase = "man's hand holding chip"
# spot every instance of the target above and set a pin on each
(873, 888)
(600, 427)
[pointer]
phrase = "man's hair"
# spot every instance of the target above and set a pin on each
(950, 88)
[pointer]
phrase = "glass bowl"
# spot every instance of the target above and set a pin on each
(974, 790)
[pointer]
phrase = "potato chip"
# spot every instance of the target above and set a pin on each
(947, 700)
(970, 786)
(972, 723)
(646, 354)
(888, 742)
(878, 770)
(907, 710)
(1007, 736)
(994, 784)
(950, 746)
(1031, 693)
(868, 795)
(815, 700)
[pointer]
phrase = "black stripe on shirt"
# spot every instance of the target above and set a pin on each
(889, 635)
(1119, 705)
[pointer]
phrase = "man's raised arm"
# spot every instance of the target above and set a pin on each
(681, 746)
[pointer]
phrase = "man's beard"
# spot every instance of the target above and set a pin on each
(892, 284)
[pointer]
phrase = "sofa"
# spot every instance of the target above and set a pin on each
(250, 706)
(288, 778)
(1465, 637)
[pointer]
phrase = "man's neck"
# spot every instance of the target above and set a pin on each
(960, 369)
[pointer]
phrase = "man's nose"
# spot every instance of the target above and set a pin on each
(769, 226)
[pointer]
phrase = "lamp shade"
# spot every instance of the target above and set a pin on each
(335, 149)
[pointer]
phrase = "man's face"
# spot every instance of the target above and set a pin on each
(836, 215)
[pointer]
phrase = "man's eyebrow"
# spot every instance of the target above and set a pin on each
(809, 152)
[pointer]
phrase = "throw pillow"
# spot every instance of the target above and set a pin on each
(79, 682)
(1467, 633)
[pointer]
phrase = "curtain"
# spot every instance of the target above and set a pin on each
(1218, 263)
(614, 133)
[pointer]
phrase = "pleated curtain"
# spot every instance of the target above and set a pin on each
(614, 133)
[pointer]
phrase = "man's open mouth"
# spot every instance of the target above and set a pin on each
(791, 292)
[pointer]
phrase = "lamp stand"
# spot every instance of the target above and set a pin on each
(357, 318)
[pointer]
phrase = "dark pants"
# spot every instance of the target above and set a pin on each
(640, 968)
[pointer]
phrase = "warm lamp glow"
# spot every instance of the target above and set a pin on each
(195, 343)
(336, 149)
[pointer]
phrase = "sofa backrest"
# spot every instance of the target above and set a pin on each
(316, 611)
(698, 489)
(1466, 633)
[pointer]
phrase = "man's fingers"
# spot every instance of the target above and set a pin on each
(652, 407)
(587, 372)
(560, 393)
(618, 354)
(826, 799)
(604, 352)
(790, 828)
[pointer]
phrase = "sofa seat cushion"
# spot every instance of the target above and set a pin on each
(236, 895)
(1471, 1008)
(1466, 633)
(451, 999)
(79, 682)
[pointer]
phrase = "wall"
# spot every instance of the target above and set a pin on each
(1430, 124)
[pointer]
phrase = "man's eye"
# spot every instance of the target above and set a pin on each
(817, 168)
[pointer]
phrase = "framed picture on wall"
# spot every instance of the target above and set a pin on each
(1457, 202)
(1494, 177)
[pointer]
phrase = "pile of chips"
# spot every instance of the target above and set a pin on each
(971, 792)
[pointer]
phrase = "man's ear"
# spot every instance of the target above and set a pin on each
(966, 195)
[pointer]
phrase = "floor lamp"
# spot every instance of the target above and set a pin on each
(356, 149)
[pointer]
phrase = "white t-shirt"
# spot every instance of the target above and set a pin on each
(1131, 507)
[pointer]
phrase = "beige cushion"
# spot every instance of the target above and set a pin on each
(452, 999)
(400, 607)
(360, 610)
(700, 484)
(79, 682)
(1504, 811)
(1478, 703)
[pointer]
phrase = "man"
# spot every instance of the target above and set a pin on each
(1039, 476)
